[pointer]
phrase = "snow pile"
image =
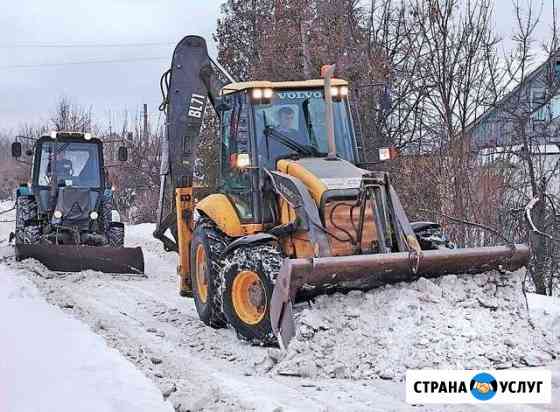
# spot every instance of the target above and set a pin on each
(459, 322)
(545, 312)
(51, 362)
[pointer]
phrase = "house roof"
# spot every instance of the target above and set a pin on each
(484, 116)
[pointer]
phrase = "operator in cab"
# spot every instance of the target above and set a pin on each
(286, 117)
(287, 127)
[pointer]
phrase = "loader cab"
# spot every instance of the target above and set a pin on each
(264, 122)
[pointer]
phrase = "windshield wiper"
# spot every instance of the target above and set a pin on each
(290, 143)
(308, 123)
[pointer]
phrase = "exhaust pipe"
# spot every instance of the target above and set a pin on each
(370, 271)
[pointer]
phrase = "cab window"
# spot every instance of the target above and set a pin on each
(236, 179)
(298, 116)
(69, 164)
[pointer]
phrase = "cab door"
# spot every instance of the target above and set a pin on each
(236, 172)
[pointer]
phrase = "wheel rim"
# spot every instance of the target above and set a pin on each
(249, 297)
(201, 278)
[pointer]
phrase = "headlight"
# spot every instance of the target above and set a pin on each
(334, 91)
(57, 214)
(243, 161)
(257, 93)
(87, 136)
(343, 91)
(93, 215)
(53, 134)
(267, 93)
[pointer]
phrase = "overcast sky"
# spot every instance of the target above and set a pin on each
(29, 94)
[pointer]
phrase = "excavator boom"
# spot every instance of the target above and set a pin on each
(192, 81)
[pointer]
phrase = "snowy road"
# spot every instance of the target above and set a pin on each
(51, 362)
(195, 367)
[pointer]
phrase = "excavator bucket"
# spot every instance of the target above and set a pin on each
(75, 258)
(342, 273)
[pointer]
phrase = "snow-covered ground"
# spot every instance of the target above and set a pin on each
(198, 368)
(51, 362)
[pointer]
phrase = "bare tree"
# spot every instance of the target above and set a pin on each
(455, 40)
(71, 117)
(526, 122)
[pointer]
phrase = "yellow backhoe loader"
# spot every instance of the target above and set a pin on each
(294, 215)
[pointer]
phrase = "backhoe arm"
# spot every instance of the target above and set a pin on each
(187, 86)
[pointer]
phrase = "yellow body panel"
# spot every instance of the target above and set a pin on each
(222, 212)
(298, 244)
(315, 186)
(183, 201)
(263, 84)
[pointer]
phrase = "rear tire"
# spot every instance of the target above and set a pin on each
(207, 246)
(249, 275)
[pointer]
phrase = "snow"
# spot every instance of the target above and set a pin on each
(51, 362)
(453, 322)
(545, 312)
(153, 338)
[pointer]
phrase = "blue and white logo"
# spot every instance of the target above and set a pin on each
(483, 386)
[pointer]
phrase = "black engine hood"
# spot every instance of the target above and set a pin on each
(76, 204)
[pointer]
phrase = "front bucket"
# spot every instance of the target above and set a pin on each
(370, 271)
(75, 258)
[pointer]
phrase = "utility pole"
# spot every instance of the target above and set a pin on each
(145, 121)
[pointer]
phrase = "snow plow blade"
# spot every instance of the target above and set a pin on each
(71, 258)
(343, 273)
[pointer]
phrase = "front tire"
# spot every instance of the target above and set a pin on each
(106, 211)
(27, 230)
(207, 246)
(249, 274)
(115, 234)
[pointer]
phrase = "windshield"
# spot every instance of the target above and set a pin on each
(72, 164)
(299, 115)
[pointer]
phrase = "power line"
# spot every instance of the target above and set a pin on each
(83, 45)
(85, 62)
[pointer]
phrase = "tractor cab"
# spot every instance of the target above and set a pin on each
(69, 162)
(68, 170)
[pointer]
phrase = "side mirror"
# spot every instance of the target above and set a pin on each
(16, 149)
(122, 154)
(223, 105)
